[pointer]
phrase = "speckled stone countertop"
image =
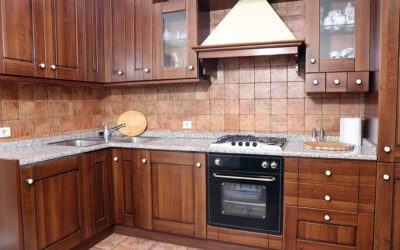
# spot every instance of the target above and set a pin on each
(39, 150)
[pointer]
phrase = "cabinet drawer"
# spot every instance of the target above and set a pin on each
(328, 197)
(336, 82)
(312, 245)
(358, 82)
(315, 83)
(344, 235)
(327, 216)
(329, 172)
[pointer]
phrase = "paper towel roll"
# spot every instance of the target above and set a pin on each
(350, 130)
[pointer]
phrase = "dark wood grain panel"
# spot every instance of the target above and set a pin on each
(336, 217)
(354, 79)
(243, 237)
(200, 195)
(312, 245)
(365, 232)
(366, 201)
(312, 16)
(396, 209)
(368, 174)
(363, 32)
(289, 227)
(318, 86)
(171, 157)
(331, 86)
(337, 65)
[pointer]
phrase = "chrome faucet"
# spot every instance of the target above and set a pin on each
(107, 132)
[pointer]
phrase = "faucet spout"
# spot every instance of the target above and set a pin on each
(107, 132)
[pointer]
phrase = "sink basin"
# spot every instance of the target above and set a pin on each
(78, 143)
(134, 139)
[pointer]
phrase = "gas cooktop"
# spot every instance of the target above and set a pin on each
(249, 142)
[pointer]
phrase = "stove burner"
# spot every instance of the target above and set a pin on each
(249, 141)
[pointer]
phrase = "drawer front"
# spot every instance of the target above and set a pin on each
(340, 173)
(315, 83)
(334, 197)
(312, 245)
(327, 216)
(358, 82)
(336, 82)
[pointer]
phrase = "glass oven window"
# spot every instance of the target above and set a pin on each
(244, 200)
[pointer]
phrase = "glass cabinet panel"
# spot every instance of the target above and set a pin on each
(174, 39)
(244, 200)
(337, 32)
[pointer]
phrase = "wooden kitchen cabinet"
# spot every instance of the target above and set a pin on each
(337, 43)
(127, 171)
(96, 192)
(43, 38)
(174, 192)
(175, 33)
(51, 205)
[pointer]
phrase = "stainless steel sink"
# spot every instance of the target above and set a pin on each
(133, 139)
(79, 143)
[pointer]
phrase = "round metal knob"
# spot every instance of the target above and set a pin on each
(264, 164)
(336, 82)
(274, 165)
(327, 217)
(116, 159)
(387, 149)
(313, 60)
(359, 81)
(53, 67)
(144, 161)
(198, 165)
(328, 198)
(328, 173)
(218, 162)
(42, 65)
(191, 67)
(120, 72)
(29, 181)
(146, 70)
(315, 82)
(386, 177)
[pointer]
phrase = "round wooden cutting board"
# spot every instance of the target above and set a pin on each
(328, 145)
(135, 122)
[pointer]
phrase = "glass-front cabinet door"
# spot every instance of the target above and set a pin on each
(176, 34)
(337, 35)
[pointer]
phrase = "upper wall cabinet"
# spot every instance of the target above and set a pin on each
(175, 33)
(338, 42)
(128, 40)
(43, 38)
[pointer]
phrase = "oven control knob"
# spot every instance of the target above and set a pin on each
(233, 143)
(254, 144)
(240, 143)
(247, 144)
(274, 165)
(264, 164)
(218, 162)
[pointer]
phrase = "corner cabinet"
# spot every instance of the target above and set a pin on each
(338, 45)
(175, 33)
(174, 192)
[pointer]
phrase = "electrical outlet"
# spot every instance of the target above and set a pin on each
(187, 124)
(5, 132)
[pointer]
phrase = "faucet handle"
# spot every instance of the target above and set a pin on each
(314, 134)
(322, 134)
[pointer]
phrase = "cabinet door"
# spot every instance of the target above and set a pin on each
(51, 205)
(65, 39)
(97, 191)
(175, 31)
(174, 193)
(22, 38)
(126, 169)
(396, 208)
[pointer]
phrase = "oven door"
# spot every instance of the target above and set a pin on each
(246, 202)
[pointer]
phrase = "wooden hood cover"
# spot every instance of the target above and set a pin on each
(251, 28)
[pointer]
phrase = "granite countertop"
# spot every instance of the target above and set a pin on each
(39, 150)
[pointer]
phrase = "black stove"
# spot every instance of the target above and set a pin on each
(249, 142)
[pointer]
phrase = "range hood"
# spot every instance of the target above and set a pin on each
(251, 28)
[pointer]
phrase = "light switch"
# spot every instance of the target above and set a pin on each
(5, 132)
(187, 124)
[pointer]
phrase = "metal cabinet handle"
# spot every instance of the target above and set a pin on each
(313, 60)
(191, 67)
(198, 165)
(144, 161)
(327, 217)
(119, 72)
(116, 159)
(328, 198)
(336, 81)
(266, 179)
(328, 173)
(146, 70)
(29, 181)
(42, 66)
(53, 67)
(359, 81)
(315, 82)
(386, 177)
(387, 149)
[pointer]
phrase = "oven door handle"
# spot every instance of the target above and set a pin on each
(266, 179)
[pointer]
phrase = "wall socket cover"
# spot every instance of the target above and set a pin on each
(5, 132)
(187, 124)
